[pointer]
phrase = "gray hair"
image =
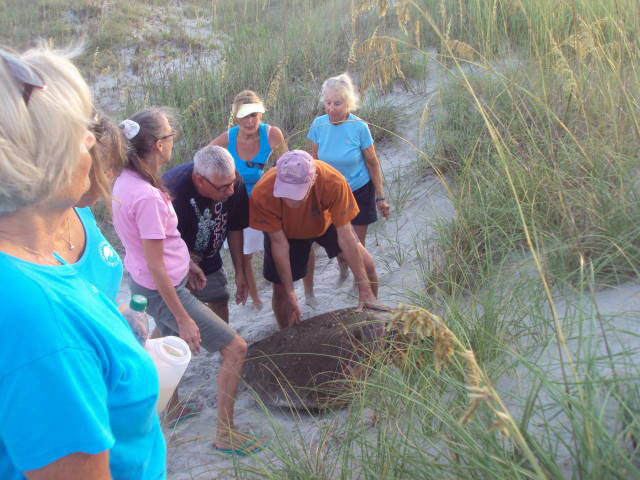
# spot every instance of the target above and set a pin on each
(40, 141)
(213, 160)
(343, 86)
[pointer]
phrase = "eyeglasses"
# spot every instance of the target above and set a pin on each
(24, 75)
(172, 134)
(219, 188)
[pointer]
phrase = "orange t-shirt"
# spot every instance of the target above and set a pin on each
(330, 201)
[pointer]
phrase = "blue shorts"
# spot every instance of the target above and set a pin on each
(366, 200)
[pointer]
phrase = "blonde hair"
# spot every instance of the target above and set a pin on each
(108, 153)
(40, 141)
(343, 86)
(244, 97)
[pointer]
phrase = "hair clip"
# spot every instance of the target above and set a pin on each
(130, 128)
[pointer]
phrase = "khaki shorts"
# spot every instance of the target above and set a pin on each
(214, 333)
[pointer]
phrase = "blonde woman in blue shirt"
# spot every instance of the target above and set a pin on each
(251, 142)
(78, 390)
(344, 141)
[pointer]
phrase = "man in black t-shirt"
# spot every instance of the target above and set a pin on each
(212, 204)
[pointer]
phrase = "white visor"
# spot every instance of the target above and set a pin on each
(248, 109)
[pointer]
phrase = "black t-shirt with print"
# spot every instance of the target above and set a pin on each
(203, 223)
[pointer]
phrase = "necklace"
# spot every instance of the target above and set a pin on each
(70, 244)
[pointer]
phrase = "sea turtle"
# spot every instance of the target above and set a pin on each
(308, 365)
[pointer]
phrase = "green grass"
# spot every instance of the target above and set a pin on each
(537, 126)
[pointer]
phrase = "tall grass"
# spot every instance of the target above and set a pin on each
(553, 137)
(542, 147)
(538, 125)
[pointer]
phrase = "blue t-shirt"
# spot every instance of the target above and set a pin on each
(73, 378)
(251, 170)
(341, 147)
(99, 262)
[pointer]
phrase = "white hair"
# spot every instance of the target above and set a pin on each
(213, 160)
(40, 140)
(343, 86)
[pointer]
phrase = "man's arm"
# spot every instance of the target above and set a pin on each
(351, 252)
(280, 255)
(236, 243)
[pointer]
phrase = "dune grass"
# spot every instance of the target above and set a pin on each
(539, 131)
(537, 126)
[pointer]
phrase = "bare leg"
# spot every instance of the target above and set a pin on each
(233, 356)
(309, 296)
(278, 302)
(369, 267)
(221, 309)
(251, 281)
(361, 232)
(344, 270)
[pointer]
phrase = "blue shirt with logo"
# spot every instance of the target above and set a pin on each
(73, 378)
(341, 147)
(99, 262)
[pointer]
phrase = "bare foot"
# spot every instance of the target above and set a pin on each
(257, 305)
(311, 300)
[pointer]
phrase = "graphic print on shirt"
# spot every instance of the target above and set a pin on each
(108, 254)
(211, 228)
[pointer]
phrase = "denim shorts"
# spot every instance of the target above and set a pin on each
(215, 334)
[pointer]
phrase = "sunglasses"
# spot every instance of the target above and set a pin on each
(24, 75)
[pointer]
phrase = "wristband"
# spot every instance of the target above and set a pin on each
(379, 199)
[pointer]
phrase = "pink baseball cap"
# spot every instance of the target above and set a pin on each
(294, 172)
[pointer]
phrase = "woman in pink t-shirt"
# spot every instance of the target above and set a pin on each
(159, 265)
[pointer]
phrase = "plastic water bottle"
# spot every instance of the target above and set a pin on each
(137, 318)
(170, 355)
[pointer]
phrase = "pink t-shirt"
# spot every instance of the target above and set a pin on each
(141, 211)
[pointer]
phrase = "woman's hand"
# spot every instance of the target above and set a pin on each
(190, 333)
(383, 207)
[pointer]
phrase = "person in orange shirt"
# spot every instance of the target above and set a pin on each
(299, 202)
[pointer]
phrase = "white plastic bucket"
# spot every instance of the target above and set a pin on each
(171, 355)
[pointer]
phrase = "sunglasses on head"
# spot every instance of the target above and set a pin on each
(24, 75)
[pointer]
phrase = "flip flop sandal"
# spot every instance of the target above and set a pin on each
(187, 411)
(244, 450)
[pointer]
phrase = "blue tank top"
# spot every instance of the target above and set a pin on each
(252, 170)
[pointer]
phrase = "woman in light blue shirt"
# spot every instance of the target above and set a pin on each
(78, 391)
(344, 141)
